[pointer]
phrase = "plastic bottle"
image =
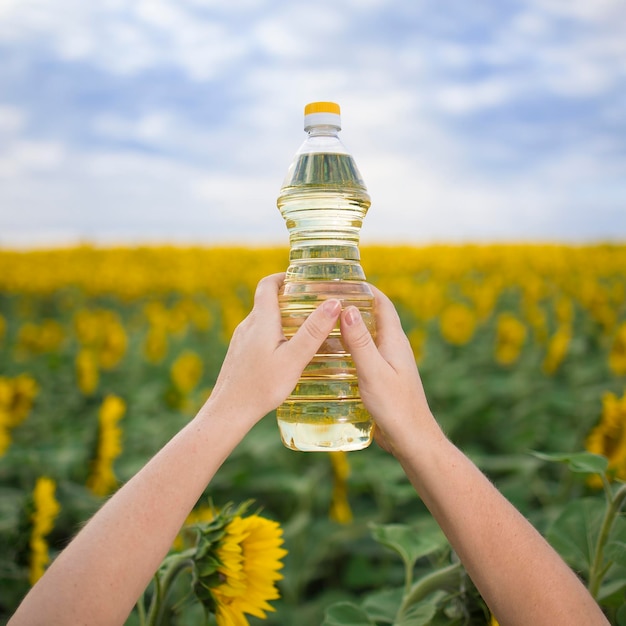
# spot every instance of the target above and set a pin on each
(323, 201)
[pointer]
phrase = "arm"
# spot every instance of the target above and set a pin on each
(521, 578)
(99, 576)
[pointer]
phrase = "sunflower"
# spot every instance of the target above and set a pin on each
(234, 565)
(510, 338)
(186, 371)
(340, 510)
(609, 436)
(87, 373)
(102, 480)
(250, 557)
(558, 345)
(457, 324)
(16, 400)
(46, 508)
(617, 356)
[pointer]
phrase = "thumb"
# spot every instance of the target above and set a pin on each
(301, 348)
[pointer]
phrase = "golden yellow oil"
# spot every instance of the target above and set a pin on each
(323, 202)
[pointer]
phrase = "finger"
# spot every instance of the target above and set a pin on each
(266, 302)
(359, 342)
(387, 319)
(267, 289)
(301, 348)
(391, 339)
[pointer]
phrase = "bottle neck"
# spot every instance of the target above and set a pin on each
(323, 131)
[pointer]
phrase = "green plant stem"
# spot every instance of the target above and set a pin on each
(141, 610)
(163, 586)
(598, 570)
(441, 578)
(408, 577)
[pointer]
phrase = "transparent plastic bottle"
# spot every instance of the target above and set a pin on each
(323, 201)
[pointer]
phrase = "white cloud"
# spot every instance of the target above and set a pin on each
(246, 199)
(154, 127)
(121, 39)
(597, 11)
(12, 119)
(121, 195)
(275, 37)
(467, 98)
(30, 156)
(102, 161)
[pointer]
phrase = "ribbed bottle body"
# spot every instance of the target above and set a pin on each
(324, 201)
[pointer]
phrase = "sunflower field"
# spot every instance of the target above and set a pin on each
(105, 353)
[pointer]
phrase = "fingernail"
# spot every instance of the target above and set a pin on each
(352, 315)
(331, 307)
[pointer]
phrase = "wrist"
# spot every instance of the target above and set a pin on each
(228, 420)
(424, 443)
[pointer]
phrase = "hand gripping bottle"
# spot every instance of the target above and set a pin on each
(324, 201)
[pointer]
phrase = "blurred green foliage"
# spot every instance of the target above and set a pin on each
(361, 572)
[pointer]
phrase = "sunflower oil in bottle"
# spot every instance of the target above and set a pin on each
(323, 201)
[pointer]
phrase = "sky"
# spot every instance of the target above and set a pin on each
(174, 121)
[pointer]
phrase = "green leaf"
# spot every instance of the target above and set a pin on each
(616, 551)
(621, 616)
(612, 593)
(419, 614)
(580, 462)
(206, 566)
(383, 606)
(346, 614)
(410, 542)
(574, 533)
(446, 578)
(203, 547)
(203, 593)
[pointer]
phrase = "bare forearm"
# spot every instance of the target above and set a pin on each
(100, 575)
(117, 552)
(522, 579)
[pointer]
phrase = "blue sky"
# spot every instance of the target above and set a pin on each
(175, 121)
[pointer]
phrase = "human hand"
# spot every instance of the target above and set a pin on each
(389, 382)
(262, 367)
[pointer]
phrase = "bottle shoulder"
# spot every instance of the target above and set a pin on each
(323, 170)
